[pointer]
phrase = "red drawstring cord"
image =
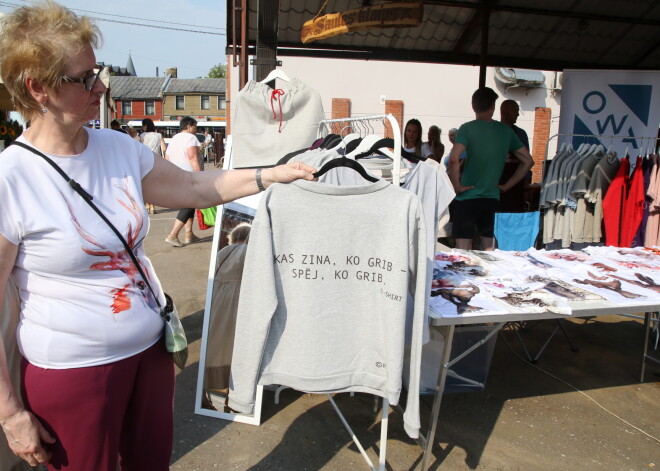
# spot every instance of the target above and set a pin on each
(275, 95)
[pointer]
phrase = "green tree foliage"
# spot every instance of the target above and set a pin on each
(218, 71)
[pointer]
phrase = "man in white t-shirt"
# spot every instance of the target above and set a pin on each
(183, 151)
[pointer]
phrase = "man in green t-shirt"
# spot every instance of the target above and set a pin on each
(487, 143)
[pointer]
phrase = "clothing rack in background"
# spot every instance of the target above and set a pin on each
(595, 137)
(365, 120)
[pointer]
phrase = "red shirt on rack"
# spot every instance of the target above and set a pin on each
(614, 202)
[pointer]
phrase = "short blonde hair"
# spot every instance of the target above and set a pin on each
(36, 42)
(240, 233)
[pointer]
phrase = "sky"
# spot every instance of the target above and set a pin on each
(192, 52)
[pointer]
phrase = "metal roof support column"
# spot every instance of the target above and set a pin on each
(237, 14)
(483, 58)
(266, 60)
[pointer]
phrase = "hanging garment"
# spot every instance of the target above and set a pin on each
(268, 124)
(435, 192)
(550, 197)
(603, 174)
(222, 322)
(613, 204)
(653, 193)
(647, 167)
(331, 272)
(582, 229)
(633, 207)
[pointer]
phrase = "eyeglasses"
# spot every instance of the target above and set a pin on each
(89, 81)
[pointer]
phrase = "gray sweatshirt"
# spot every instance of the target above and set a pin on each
(328, 275)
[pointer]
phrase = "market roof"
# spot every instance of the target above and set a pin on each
(551, 35)
(200, 85)
(136, 88)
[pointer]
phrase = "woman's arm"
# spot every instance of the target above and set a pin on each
(163, 147)
(169, 186)
(23, 431)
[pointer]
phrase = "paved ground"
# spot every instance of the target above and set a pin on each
(527, 418)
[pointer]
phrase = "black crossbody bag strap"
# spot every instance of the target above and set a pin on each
(88, 199)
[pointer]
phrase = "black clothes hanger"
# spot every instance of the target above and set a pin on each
(385, 142)
(332, 143)
(351, 146)
(327, 140)
(288, 157)
(411, 157)
(345, 162)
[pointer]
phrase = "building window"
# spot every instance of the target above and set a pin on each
(222, 103)
(149, 108)
(180, 102)
(126, 107)
(205, 102)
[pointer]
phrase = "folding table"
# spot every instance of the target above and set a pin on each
(447, 326)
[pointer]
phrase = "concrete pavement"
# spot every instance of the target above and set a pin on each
(573, 411)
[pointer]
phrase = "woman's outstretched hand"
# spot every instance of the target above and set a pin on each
(287, 173)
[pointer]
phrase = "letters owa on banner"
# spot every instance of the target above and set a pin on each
(601, 104)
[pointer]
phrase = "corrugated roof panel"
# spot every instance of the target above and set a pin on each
(135, 88)
(200, 85)
(561, 33)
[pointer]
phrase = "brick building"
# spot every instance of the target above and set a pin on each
(167, 98)
(204, 99)
(137, 97)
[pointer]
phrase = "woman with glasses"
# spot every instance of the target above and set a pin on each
(96, 380)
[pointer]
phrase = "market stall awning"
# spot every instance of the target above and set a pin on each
(607, 34)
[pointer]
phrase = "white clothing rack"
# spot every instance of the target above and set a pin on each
(396, 175)
(256, 418)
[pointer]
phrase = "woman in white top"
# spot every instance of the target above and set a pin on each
(433, 149)
(152, 138)
(97, 381)
(412, 137)
(154, 141)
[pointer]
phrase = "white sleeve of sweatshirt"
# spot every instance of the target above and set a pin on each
(420, 291)
(256, 306)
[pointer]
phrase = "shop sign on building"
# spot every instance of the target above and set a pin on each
(610, 103)
(386, 15)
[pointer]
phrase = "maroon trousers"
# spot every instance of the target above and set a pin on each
(97, 414)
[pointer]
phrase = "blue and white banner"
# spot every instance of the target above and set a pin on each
(617, 108)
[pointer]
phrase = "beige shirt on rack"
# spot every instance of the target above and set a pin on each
(600, 182)
(583, 223)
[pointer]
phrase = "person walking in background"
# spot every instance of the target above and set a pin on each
(183, 152)
(487, 143)
(97, 383)
(115, 126)
(412, 137)
(152, 138)
(434, 148)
